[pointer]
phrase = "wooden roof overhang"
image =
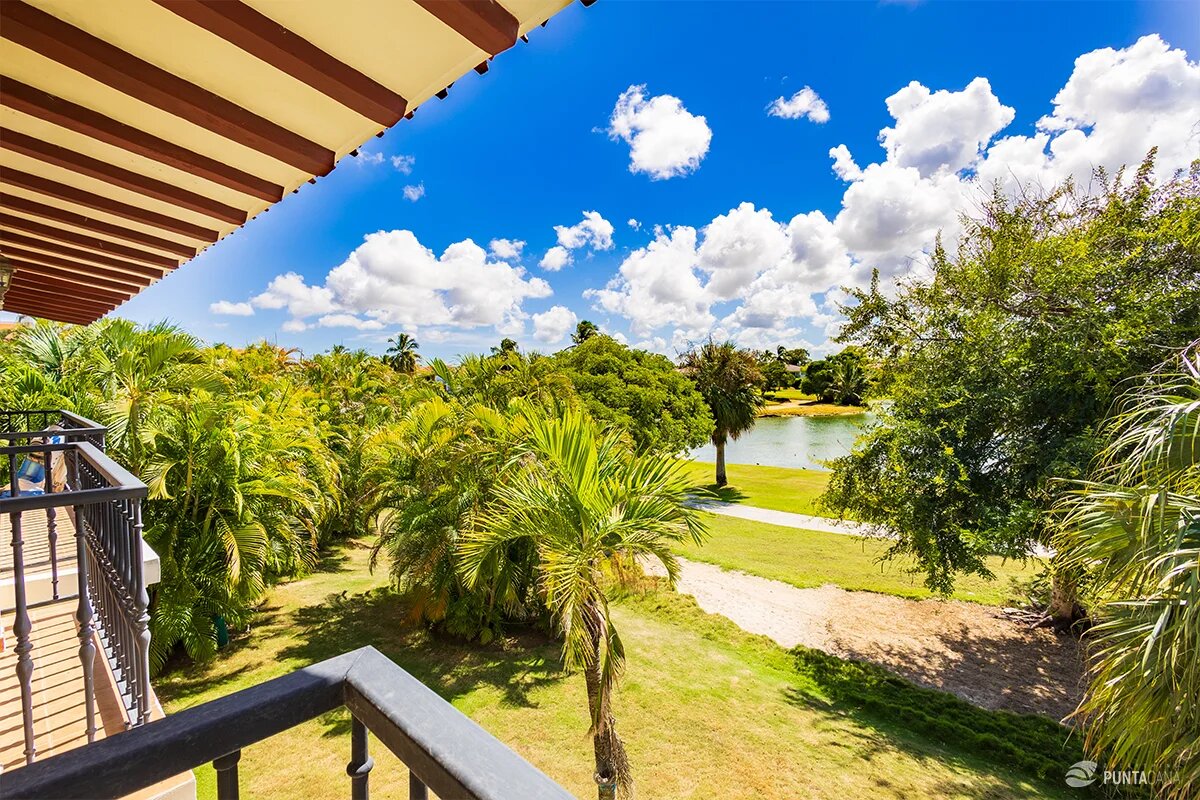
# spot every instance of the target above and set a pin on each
(136, 133)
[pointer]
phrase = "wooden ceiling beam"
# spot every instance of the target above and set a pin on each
(8, 237)
(53, 301)
(102, 246)
(274, 44)
(138, 270)
(42, 150)
(48, 107)
(484, 23)
(11, 202)
(29, 308)
(61, 191)
(69, 288)
(131, 284)
(59, 41)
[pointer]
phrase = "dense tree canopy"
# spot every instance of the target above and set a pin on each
(642, 393)
(1001, 366)
(843, 378)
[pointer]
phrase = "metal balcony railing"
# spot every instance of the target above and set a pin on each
(443, 749)
(55, 464)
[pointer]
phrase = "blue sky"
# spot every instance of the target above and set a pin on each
(527, 147)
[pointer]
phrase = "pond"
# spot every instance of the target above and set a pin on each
(796, 442)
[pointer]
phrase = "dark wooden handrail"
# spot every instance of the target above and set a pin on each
(444, 749)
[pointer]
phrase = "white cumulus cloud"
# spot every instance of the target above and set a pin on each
(804, 103)
(665, 139)
(231, 309)
(762, 281)
(413, 193)
(942, 130)
(555, 259)
(551, 327)
(593, 231)
(506, 249)
(393, 279)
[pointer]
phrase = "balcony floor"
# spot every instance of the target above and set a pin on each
(36, 538)
(60, 716)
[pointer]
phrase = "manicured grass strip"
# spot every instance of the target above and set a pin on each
(813, 558)
(1033, 745)
(778, 488)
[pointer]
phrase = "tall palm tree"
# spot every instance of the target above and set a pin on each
(586, 505)
(1134, 529)
(402, 353)
(585, 330)
(730, 381)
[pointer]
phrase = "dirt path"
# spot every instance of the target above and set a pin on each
(968, 649)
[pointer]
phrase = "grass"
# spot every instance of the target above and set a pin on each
(813, 558)
(706, 709)
(794, 403)
(778, 488)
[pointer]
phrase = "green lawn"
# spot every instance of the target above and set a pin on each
(778, 488)
(813, 558)
(707, 710)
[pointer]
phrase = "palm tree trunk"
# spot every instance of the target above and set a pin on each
(612, 765)
(720, 445)
(1064, 608)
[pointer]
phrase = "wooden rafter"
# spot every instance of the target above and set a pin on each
(484, 23)
(74, 117)
(267, 40)
(42, 150)
(92, 225)
(59, 41)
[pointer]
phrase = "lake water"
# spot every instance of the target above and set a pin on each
(797, 442)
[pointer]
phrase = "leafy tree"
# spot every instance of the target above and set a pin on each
(641, 392)
(796, 356)
(1002, 365)
(402, 353)
(842, 378)
(774, 371)
(444, 460)
(730, 381)
(1134, 528)
(584, 506)
(585, 330)
(848, 384)
(238, 488)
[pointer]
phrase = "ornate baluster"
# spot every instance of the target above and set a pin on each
(51, 523)
(84, 614)
(227, 775)
(361, 762)
(22, 627)
(141, 600)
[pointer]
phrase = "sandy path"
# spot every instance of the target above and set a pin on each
(968, 649)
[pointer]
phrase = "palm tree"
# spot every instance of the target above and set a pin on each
(140, 372)
(507, 345)
(730, 381)
(402, 353)
(585, 330)
(1134, 529)
(586, 505)
(849, 383)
